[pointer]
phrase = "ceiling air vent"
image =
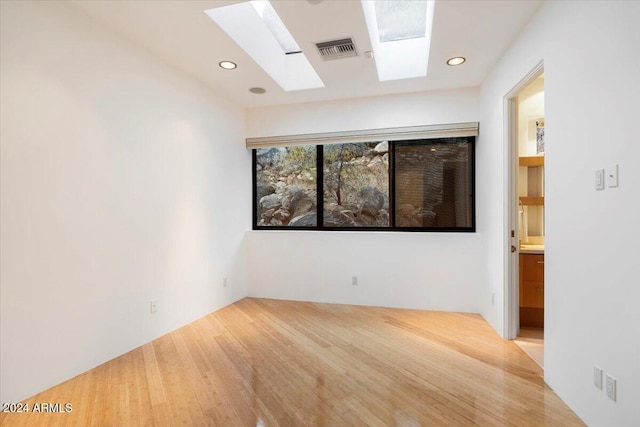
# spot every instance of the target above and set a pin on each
(336, 49)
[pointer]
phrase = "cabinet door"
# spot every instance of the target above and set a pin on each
(532, 294)
(521, 278)
(533, 268)
(532, 280)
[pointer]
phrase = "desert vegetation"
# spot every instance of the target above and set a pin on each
(356, 185)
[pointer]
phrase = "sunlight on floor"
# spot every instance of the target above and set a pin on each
(531, 341)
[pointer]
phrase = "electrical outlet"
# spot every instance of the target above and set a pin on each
(154, 306)
(597, 376)
(611, 387)
(354, 280)
(612, 175)
(224, 282)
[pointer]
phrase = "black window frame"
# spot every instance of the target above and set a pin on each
(470, 140)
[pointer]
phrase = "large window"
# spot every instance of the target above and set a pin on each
(285, 187)
(414, 185)
(356, 185)
(434, 184)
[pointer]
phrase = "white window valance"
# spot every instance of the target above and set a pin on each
(453, 130)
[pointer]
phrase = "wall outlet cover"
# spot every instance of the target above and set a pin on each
(611, 387)
(612, 175)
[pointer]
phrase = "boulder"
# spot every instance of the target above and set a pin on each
(263, 189)
(298, 201)
(308, 220)
(270, 156)
(382, 147)
(271, 201)
(338, 219)
(372, 201)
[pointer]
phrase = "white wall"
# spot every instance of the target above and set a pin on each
(115, 175)
(423, 108)
(591, 53)
(439, 271)
(436, 271)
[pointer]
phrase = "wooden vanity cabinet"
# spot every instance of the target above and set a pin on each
(532, 290)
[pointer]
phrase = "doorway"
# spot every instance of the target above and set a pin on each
(524, 310)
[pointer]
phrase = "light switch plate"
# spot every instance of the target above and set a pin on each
(597, 376)
(599, 179)
(612, 175)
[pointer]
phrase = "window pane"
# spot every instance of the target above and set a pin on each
(356, 185)
(433, 184)
(286, 186)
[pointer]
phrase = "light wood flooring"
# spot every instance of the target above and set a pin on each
(262, 362)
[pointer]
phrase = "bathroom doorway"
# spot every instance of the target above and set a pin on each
(525, 290)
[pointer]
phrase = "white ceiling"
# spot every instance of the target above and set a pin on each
(181, 34)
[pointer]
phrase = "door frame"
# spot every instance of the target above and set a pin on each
(511, 276)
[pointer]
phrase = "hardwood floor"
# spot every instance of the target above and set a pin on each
(268, 362)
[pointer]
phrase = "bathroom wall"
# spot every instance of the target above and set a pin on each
(530, 109)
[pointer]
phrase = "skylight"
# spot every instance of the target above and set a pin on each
(400, 34)
(258, 30)
(401, 20)
(273, 22)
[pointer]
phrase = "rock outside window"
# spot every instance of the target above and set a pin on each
(415, 185)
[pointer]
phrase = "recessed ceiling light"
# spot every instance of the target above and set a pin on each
(456, 60)
(257, 90)
(228, 65)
